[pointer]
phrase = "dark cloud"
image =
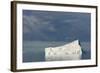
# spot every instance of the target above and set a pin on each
(55, 26)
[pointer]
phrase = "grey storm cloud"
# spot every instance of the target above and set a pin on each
(45, 25)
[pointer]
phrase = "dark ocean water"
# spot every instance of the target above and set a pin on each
(34, 51)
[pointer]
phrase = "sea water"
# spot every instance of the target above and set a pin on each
(34, 51)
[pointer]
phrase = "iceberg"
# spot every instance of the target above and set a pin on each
(70, 51)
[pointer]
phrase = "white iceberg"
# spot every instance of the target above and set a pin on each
(70, 51)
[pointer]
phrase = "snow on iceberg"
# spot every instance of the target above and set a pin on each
(70, 51)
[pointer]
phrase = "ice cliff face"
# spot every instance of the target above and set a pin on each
(70, 51)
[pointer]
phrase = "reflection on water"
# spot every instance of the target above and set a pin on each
(35, 51)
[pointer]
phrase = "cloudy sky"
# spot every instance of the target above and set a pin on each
(55, 26)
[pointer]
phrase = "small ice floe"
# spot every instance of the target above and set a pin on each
(70, 51)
